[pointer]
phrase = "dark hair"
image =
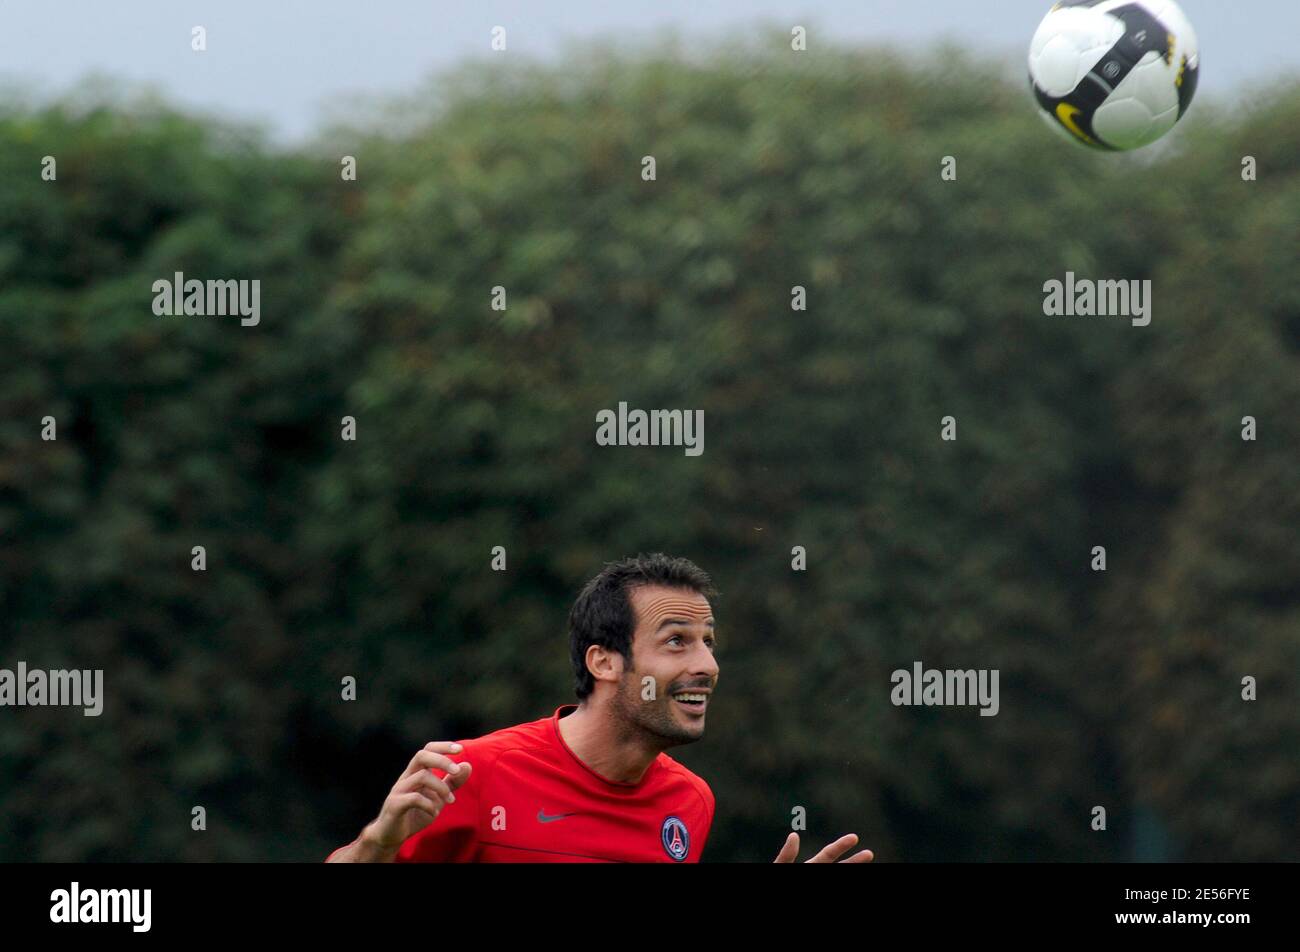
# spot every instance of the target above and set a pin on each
(602, 614)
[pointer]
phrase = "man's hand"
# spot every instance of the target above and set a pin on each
(828, 855)
(414, 802)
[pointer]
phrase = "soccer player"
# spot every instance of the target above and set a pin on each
(591, 783)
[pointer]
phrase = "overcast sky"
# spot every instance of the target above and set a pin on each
(288, 63)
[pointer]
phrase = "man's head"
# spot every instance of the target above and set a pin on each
(641, 641)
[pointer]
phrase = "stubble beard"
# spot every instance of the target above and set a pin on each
(650, 717)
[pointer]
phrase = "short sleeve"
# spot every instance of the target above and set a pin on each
(708, 795)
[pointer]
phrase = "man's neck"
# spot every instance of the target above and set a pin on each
(595, 738)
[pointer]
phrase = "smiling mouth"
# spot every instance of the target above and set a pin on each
(695, 703)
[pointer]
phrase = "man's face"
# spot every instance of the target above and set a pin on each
(672, 644)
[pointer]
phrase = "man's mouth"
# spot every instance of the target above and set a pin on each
(694, 701)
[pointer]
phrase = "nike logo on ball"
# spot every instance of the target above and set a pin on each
(543, 818)
(1066, 113)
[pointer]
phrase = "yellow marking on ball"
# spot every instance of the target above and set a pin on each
(1066, 113)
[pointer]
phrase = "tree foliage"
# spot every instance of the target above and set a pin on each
(475, 428)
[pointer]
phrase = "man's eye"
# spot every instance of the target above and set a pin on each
(674, 638)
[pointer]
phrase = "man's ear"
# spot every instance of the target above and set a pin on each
(604, 664)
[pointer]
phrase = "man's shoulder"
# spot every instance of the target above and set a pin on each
(680, 773)
(488, 747)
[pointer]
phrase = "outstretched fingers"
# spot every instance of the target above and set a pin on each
(861, 856)
(789, 851)
(832, 851)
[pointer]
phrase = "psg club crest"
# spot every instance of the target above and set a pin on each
(676, 840)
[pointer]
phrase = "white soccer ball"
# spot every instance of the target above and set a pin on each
(1114, 74)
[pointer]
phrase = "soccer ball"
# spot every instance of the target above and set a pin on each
(1114, 74)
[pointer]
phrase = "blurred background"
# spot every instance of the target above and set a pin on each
(475, 427)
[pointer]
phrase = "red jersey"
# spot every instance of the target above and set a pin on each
(531, 800)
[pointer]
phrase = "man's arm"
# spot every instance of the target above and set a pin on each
(415, 801)
(364, 849)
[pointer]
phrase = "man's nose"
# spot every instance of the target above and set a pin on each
(704, 664)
